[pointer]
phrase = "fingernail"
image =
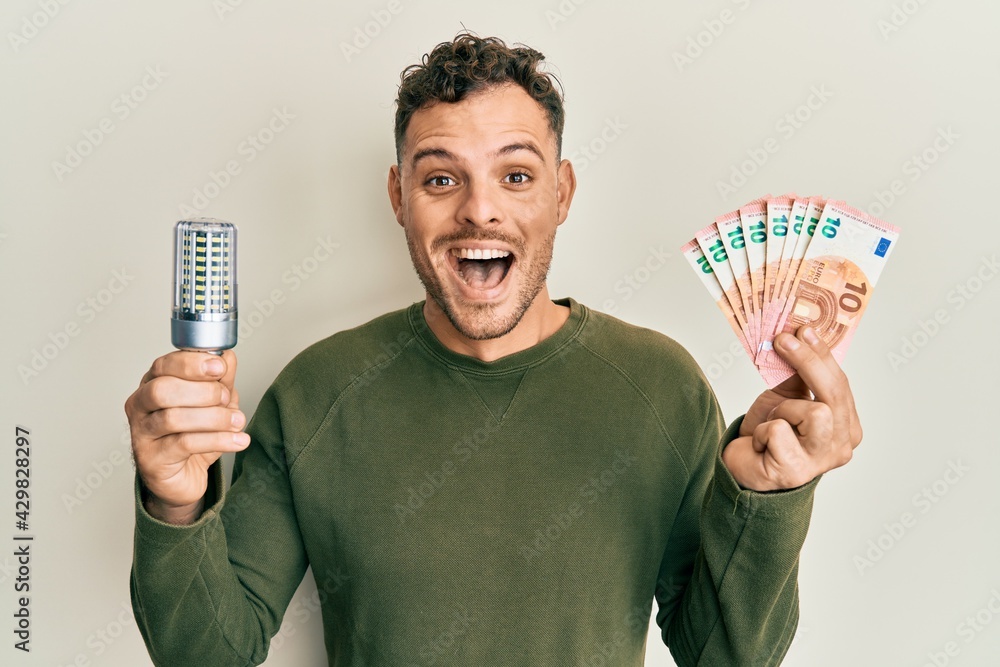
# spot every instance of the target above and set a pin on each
(241, 439)
(213, 367)
(790, 342)
(225, 396)
(810, 336)
(238, 419)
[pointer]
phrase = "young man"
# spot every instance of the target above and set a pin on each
(490, 476)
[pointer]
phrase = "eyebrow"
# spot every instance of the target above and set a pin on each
(447, 155)
(430, 152)
(513, 148)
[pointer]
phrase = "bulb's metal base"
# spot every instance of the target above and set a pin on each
(203, 335)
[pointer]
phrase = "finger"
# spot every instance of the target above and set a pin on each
(181, 446)
(853, 421)
(812, 359)
(810, 337)
(191, 420)
(812, 421)
(814, 363)
(776, 435)
(827, 444)
(746, 465)
(188, 365)
(167, 391)
(785, 462)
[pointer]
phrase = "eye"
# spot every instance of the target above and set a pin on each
(440, 181)
(517, 178)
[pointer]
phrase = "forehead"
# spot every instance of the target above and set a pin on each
(480, 124)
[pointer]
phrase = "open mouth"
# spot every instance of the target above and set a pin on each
(481, 269)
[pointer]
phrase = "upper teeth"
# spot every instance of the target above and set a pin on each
(478, 253)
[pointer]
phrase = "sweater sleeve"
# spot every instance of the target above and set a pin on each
(727, 592)
(214, 592)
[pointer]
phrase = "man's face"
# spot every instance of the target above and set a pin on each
(479, 196)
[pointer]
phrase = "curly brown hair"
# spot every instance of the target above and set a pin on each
(453, 70)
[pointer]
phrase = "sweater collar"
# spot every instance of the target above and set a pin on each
(536, 354)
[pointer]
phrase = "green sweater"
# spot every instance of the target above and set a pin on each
(524, 511)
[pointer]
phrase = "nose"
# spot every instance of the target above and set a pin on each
(480, 204)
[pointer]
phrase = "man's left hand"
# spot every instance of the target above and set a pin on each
(803, 427)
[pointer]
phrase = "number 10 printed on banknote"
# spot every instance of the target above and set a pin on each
(779, 263)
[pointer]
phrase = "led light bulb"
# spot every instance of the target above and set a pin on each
(204, 312)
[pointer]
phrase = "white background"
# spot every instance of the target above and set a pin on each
(896, 75)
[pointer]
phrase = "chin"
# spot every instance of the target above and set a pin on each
(482, 321)
(484, 298)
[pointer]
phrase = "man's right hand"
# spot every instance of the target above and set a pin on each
(183, 417)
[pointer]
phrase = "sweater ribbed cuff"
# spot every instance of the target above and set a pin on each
(152, 529)
(768, 503)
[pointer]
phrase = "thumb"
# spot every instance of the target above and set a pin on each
(229, 377)
(234, 399)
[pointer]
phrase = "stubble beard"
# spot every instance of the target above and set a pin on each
(481, 321)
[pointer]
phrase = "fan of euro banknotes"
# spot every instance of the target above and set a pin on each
(779, 263)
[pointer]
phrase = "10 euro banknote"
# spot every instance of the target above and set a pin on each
(779, 263)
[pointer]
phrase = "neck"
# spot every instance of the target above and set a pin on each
(542, 319)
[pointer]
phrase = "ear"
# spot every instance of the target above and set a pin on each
(395, 187)
(565, 187)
